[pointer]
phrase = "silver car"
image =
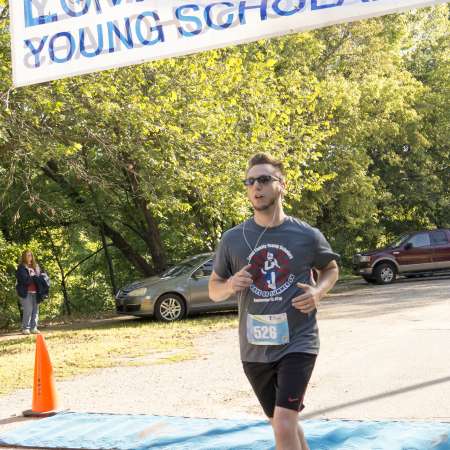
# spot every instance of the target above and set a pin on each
(181, 290)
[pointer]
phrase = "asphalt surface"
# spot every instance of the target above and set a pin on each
(385, 354)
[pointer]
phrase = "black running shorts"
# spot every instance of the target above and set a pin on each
(281, 383)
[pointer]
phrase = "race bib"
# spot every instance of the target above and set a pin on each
(268, 329)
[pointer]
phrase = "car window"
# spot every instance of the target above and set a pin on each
(399, 241)
(420, 240)
(206, 269)
(439, 238)
(183, 267)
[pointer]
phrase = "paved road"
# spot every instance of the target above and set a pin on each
(385, 352)
(385, 355)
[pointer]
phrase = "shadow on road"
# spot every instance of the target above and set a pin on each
(15, 419)
(376, 397)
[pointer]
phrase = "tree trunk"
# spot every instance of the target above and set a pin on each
(109, 262)
(51, 171)
(137, 260)
(66, 301)
(151, 235)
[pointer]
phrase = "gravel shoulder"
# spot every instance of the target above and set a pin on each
(384, 355)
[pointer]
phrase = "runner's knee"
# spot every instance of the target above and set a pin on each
(285, 423)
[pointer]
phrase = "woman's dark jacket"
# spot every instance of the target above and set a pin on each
(24, 280)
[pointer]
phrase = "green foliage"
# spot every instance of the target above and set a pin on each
(149, 159)
(8, 298)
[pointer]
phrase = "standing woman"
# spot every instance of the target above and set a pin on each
(27, 291)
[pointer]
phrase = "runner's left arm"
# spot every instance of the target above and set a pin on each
(310, 299)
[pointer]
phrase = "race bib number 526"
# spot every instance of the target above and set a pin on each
(268, 329)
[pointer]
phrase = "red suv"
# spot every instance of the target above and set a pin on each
(420, 252)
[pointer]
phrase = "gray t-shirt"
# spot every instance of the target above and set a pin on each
(284, 256)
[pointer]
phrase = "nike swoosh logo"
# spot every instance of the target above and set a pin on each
(290, 400)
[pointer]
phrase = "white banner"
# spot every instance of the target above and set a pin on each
(52, 39)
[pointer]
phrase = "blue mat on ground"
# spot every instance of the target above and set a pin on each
(123, 431)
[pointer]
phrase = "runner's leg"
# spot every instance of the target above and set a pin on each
(293, 374)
(283, 383)
(285, 429)
(301, 436)
(263, 378)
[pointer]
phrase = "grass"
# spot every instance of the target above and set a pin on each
(81, 350)
(76, 349)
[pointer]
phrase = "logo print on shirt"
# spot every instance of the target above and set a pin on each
(270, 270)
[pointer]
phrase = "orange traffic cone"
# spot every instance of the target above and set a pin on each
(44, 392)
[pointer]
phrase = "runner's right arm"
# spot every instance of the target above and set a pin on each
(220, 289)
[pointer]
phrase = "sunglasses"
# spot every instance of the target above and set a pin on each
(262, 179)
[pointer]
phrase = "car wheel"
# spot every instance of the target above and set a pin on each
(385, 273)
(369, 280)
(170, 307)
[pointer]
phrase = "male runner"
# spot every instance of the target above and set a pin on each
(267, 261)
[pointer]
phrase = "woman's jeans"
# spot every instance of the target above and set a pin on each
(30, 312)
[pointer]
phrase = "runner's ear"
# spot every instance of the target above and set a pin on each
(282, 188)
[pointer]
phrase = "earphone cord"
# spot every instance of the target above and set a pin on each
(256, 245)
(260, 236)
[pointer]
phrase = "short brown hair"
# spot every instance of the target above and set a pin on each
(265, 158)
